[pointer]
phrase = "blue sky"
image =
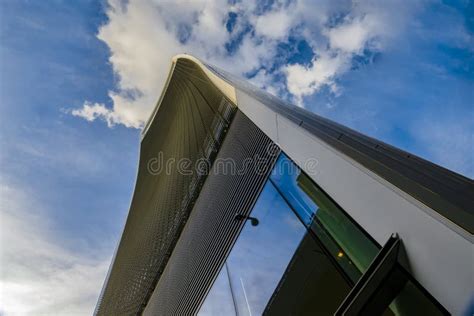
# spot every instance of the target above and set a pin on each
(78, 79)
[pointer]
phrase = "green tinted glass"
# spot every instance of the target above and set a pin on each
(343, 239)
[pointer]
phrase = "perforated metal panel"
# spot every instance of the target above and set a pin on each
(191, 123)
(211, 229)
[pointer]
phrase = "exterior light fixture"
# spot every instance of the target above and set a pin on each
(239, 217)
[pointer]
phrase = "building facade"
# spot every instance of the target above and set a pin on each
(246, 205)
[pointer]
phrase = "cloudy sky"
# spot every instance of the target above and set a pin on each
(79, 78)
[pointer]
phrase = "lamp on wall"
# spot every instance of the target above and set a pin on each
(239, 217)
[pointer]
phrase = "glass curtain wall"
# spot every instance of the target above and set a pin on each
(259, 257)
(301, 257)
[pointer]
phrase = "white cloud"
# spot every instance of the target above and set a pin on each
(37, 275)
(141, 47)
(144, 35)
(354, 36)
(275, 24)
(90, 112)
(345, 40)
(303, 80)
(264, 80)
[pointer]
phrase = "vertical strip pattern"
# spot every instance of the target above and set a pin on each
(190, 125)
(211, 229)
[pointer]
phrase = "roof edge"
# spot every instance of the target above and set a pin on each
(225, 87)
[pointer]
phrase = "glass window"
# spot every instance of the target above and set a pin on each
(311, 285)
(412, 302)
(344, 241)
(284, 176)
(261, 254)
(303, 257)
(219, 300)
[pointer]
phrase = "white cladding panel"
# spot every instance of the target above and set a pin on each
(266, 117)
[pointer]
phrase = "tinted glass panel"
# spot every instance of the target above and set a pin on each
(285, 177)
(413, 302)
(302, 258)
(219, 300)
(344, 240)
(262, 253)
(312, 285)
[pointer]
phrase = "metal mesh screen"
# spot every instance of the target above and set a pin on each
(211, 229)
(191, 123)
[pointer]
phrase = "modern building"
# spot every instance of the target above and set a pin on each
(246, 205)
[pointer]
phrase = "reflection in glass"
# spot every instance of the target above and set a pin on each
(344, 241)
(411, 301)
(261, 253)
(311, 284)
(284, 267)
(219, 300)
(284, 176)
